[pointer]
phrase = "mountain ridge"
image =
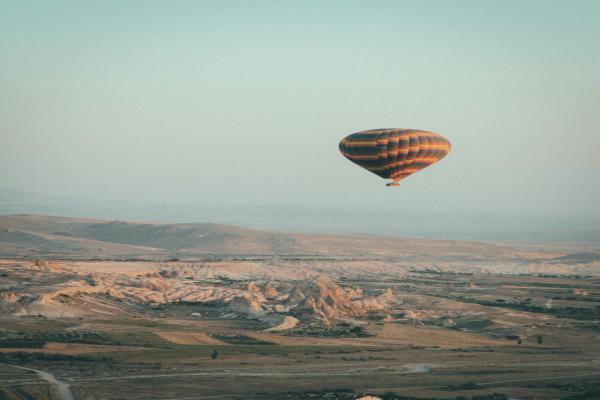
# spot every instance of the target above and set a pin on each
(22, 234)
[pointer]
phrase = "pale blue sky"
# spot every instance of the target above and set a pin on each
(230, 103)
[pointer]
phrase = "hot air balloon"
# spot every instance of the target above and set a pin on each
(394, 153)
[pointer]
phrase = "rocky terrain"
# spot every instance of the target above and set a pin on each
(61, 290)
(111, 308)
(287, 282)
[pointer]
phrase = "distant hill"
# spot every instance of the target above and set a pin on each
(582, 257)
(24, 235)
(397, 220)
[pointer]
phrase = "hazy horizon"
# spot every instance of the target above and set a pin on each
(428, 224)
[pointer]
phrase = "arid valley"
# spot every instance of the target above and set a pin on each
(94, 309)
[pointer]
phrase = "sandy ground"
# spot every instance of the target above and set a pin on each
(193, 338)
(112, 267)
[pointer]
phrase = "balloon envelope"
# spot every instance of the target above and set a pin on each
(394, 153)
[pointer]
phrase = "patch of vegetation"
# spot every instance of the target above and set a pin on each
(234, 338)
(148, 323)
(23, 356)
(16, 392)
(493, 396)
(333, 394)
(35, 324)
(338, 331)
(589, 299)
(39, 339)
(139, 339)
(463, 386)
(488, 372)
(22, 343)
(485, 349)
(473, 325)
(584, 390)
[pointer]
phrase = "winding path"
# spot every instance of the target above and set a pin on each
(62, 389)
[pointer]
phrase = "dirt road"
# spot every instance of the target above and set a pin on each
(62, 389)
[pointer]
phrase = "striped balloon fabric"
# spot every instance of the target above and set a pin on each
(394, 153)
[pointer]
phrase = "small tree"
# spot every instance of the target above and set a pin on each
(540, 339)
(215, 354)
(519, 341)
